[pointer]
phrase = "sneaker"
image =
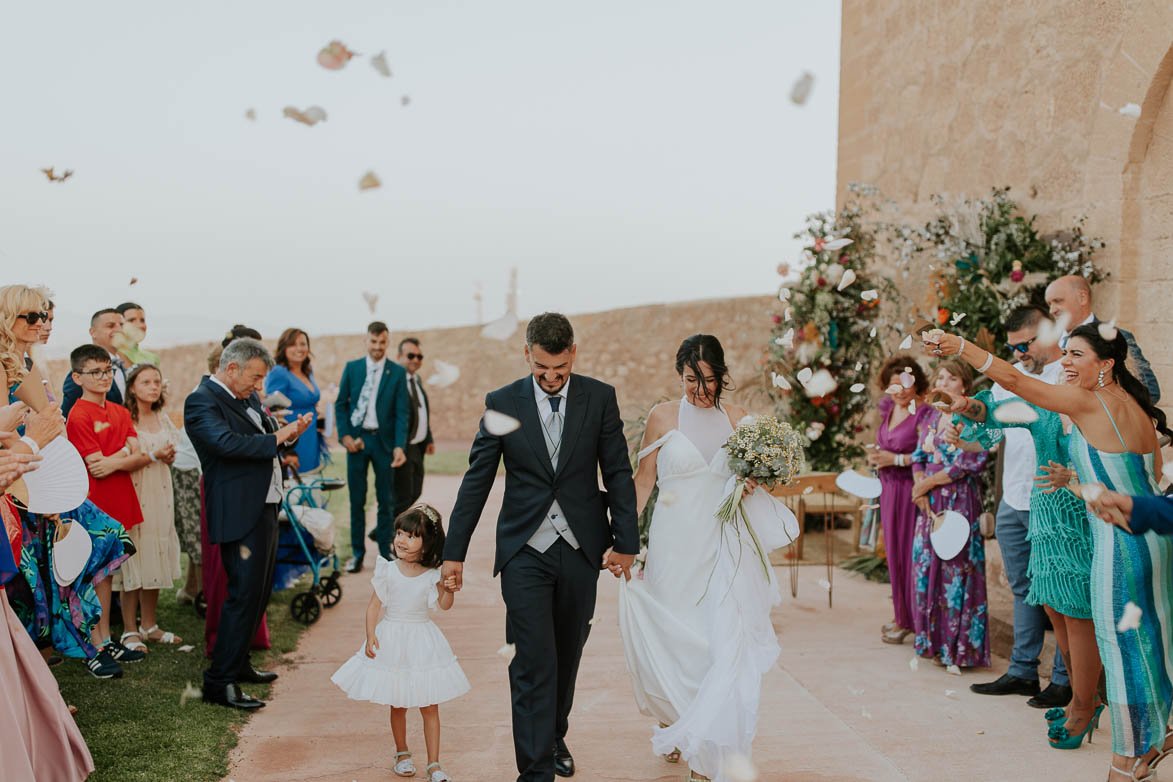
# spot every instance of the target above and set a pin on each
(122, 654)
(103, 666)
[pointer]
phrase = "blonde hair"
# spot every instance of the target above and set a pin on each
(16, 300)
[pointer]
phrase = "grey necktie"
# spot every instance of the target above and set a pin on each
(553, 430)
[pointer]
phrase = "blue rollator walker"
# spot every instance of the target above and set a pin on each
(300, 546)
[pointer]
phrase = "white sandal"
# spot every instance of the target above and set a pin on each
(136, 645)
(168, 637)
(439, 775)
(405, 767)
(1131, 775)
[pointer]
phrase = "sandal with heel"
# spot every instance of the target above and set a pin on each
(405, 767)
(1131, 776)
(1165, 751)
(1061, 738)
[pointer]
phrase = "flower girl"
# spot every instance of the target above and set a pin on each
(406, 661)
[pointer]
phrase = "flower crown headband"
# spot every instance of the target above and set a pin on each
(427, 511)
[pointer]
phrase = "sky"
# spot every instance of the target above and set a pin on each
(617, 153)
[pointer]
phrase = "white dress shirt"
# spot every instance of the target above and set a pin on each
(1019, 464)
(275, 492)
(421, 431)
(371, 421)
(119, 374)
(554, 525)
(1063, 340)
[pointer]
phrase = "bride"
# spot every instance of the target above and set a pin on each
(696, 630)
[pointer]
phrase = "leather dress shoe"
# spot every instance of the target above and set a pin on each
(253, 676)
(354, 565)
(1007, 685)
(1054, 695)
(563, 762)
(232, 696)
(371, 536)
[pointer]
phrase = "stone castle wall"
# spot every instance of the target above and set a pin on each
(959, 97)
(633, 349)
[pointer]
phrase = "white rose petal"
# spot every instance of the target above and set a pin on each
(1108, 330)
(189, 693)
(848, 278)
(872, 333)
(667, 498)
(820, 384)
(836, 244)
(867, 714)
(1015, 412)
(913, 664)
(1091, 491)
(779, 381)
(825, 584)
(499, 424)
(1130, 110)
(507, 651)
(870, 294)
(906, 343)
(739, 768)
(1051, 331)
(804, 375)
(857, 387)
(957, 316)
(594, 621)
(1130, 619)
(245, 551)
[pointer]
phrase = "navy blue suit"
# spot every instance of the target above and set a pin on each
(237, 460)
(1153, 512)
(393, 413)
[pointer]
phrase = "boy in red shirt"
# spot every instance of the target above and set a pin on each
(105, 437)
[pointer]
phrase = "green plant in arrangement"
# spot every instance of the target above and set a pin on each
(827, 334)
(985, 259)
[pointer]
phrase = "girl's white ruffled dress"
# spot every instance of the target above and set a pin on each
(414, 665)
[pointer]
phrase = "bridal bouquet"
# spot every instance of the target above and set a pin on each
(770, 452)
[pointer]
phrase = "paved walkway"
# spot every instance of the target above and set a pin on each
(839, 707)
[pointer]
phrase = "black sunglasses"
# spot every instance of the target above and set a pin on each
(1021, 347)
(33, 318)
(413, 356)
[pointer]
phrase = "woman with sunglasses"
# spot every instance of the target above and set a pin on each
(294, 378)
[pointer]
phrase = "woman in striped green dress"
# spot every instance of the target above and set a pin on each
(1114, 442)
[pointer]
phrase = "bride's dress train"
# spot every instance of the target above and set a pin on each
(696, 630)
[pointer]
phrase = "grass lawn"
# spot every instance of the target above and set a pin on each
(136, 728)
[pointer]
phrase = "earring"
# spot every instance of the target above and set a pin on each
(1101, 383)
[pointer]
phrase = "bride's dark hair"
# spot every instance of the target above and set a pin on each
(1117, 350)
(706, 348)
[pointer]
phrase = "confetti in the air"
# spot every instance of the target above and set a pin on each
(379, 63)
(134, 280)
(907, 379)
(188, 693)
(786, 340)
(100, 426)
(499, 424)
(1015, 412)
(1051, 331)
(906, 343)
(857, 387)
(739, 768)
(804, 375)
(667, 498)
(848, 278)
(779, 381)
(251, 115)
(858, 365)
(953, 670)
(185, 648)
(867, 714)
(507, 651)
(369, 181)
(372, 300)
(912, 407)
(1130, 110)
(784, 294)
(802, 88)
(787, 313)
(957, 317)
(405, 100)
(245, 551)
(1130, 619)
(446, 374)
(594, 621)
(311, 116)
(54, 178)
(950, 693)
(1108, 330)
(334, 56)
(825, 584)
(872, 333)
(1091, 491)
(870, 295)
(831, 244)
(500, 329)
(913, 664)
(808, 490)
(895, 388)
(820, 384)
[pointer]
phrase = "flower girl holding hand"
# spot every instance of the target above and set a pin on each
(406, 662)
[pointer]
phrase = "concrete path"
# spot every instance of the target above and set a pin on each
(839, 707)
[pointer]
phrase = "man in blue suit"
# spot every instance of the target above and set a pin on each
(104, 324)
(372, 413)
(237, 444)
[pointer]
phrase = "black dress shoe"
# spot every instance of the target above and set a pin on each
(371, 536)
(354, 565)
(1054, 695)
(563, 762)
(1007, 685)
(232, 696)
(253, 676)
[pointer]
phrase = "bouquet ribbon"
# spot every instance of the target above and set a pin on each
(730, 511)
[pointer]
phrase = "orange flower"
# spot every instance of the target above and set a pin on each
(942, 315)
(810, 332)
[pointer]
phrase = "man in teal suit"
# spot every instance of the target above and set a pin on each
(373, 410)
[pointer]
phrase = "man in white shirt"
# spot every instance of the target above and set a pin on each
(1071, 296)
(1013, 521)
(409, 478)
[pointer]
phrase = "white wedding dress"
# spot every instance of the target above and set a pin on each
(696, 630)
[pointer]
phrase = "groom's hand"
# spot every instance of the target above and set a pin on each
(619, 564)
(455, 571)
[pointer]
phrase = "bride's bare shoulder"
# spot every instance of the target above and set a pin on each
(662, 417)
(736, 413)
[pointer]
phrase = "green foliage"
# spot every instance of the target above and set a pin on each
(873, 567)
(633, 430)
(821, 327)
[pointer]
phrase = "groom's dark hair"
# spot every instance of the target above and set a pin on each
(551, 332)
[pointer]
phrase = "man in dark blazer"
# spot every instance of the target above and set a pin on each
(104, 324)
(372, 414)
(553, 534)
(409, 479)
(237, 443)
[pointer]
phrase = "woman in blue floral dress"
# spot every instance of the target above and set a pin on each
(950, 610)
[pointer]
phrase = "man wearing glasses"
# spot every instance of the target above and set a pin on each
(1013, 520)
(409, 478)
(104, 324)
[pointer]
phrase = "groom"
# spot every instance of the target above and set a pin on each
(552, 532)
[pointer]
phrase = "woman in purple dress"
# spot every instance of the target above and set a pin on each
(904, 383)
(949, 613)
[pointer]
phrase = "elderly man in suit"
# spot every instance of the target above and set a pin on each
(372, 414)
(104, 324)
(237, 444)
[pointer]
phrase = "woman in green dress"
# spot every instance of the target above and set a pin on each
(1113, 442)
(1060, 554)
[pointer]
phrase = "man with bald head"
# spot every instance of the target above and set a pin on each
(1071, 295)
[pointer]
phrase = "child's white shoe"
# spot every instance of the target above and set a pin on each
(404, 767)
(437, 774)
